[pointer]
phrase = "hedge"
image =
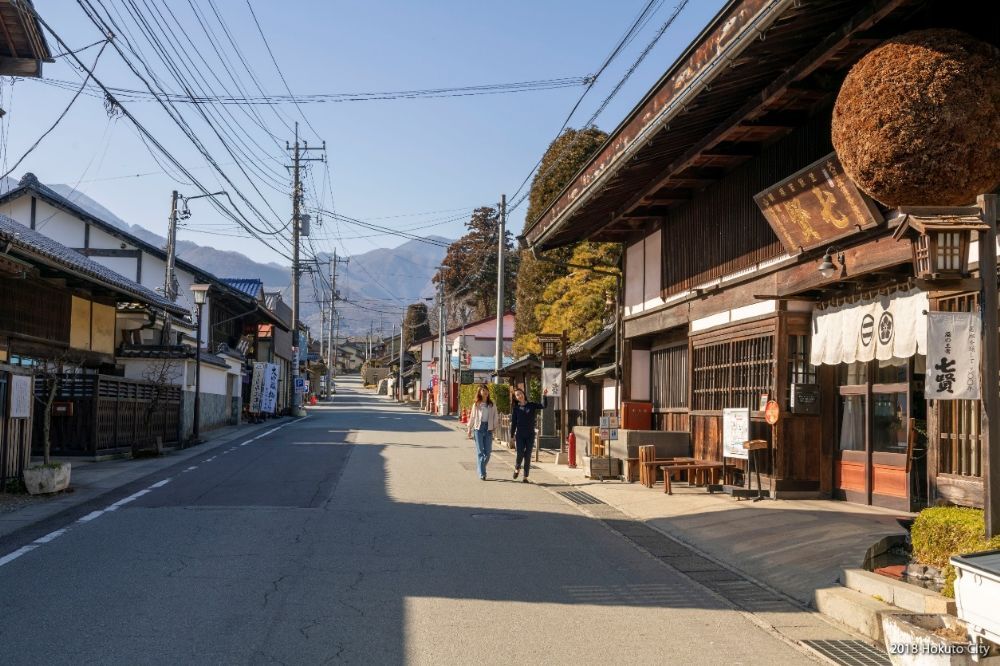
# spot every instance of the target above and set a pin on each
(500, 393)
(940, 532)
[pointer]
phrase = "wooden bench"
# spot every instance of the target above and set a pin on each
(652, 465)
(706, 473)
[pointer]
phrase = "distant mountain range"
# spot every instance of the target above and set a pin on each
(374, 284)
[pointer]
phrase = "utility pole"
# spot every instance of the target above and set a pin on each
(990, 365)
(330, 349)
(300, 227)
(402, 323)
(442, 335)
(170, 279)
(501, 251)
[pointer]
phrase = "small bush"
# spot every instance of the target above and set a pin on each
(940, 532)
(500, 393)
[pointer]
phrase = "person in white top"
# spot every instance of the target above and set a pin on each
(482, 426)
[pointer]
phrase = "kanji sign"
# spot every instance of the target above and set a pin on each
(817, 205)
(952, 356)
(20, 396)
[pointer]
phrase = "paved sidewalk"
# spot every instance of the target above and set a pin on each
(90, 480)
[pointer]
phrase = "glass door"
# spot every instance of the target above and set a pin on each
(851, 478)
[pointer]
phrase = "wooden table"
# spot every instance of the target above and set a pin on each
(705, 471)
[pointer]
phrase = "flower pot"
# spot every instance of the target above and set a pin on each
(44, 479)
(910, 638)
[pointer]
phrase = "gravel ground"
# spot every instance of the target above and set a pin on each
(10, 502)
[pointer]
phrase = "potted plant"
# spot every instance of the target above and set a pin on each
(49, 477)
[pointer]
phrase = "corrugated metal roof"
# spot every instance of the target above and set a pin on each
(32, 243)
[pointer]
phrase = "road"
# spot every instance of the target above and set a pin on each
(360, 534)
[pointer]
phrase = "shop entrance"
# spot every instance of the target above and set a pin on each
(881, 453)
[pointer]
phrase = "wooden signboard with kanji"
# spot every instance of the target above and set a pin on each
(817, 206)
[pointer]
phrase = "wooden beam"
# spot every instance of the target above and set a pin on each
(806, 65)
(860, 260)
(101, 252)
(10, 40)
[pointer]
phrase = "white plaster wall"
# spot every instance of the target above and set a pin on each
(653, 275)
(57, 224)
(634, 274)
(18, 210)
(124, 266)
(640, 374)
(734, 315)
(103, 240)
(572, 397)
(142, 369)
(213, 378)
(608, 395)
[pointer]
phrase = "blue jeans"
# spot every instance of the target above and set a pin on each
(484, 446)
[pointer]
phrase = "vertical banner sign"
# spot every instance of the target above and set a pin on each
(735, 431)
(20, 396)
(257, 387)
(952, 356)
(552, 381)
(269, 388)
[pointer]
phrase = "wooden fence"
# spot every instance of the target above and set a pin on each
(15, 438)
(101, 414)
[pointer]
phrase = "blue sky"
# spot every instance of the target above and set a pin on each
(416, 165)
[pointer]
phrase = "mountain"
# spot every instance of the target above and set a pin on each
(375, 285)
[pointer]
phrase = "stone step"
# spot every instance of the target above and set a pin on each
(857, 611)
(896, 592)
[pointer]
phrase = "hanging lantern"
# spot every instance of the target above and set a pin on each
(550, 346)
(940, 244)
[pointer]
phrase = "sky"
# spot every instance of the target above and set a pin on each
(416, 165)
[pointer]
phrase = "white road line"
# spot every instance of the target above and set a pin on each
(160, 484)
(6, 559)
(210, 459)
(90, 516)
(50, 536)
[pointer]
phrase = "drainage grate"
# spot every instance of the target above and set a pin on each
(850, 653)
(580, 497)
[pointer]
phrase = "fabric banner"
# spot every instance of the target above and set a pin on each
(888, 328)
(952, 356)
(552, 381)
(257, 387)
(269, 388)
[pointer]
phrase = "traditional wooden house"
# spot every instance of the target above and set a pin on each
(750, 257)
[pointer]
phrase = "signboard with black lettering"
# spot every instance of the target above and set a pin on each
(735, 431)
(952, 356)
(817, 205)
(805, 398)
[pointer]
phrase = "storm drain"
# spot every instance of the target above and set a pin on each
(850, 653)
(580, 497)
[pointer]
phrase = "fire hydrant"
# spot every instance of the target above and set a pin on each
(571, 445)
(312, 399)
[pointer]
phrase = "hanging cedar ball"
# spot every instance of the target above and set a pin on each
(917, 120)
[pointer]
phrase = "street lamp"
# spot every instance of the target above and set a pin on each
(200, 293)
(827, 268)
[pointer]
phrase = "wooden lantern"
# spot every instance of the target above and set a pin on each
(940, 244)
(550, 346)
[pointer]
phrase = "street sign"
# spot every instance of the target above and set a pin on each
(300, 385)
(772, 412)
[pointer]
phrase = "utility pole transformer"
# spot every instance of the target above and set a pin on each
(501, 251)
(299, 223)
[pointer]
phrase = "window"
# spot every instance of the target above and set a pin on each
(733, 374)
(800, 370)
(668, 375)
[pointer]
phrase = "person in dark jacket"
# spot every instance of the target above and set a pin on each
(522, 427)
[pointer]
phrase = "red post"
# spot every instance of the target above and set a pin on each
(571, 442)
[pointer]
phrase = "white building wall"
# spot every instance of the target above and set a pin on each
(608, 395)
(56, 224)
(640, 375)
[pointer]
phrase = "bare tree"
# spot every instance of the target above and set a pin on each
(52, 375)
(162, 374)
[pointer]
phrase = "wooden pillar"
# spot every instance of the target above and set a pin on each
(991, 365)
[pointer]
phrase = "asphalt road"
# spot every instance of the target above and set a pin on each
(360, 534)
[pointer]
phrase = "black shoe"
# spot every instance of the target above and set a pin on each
(482, 478)
(524, 480)
(516, 472)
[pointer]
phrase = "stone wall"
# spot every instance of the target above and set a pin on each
(216, 411)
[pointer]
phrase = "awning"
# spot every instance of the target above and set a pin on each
(601, 372)
(890, 327)
(576, 375)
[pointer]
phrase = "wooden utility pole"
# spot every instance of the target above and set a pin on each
(990, 365)
(300, 227)
(501, 251)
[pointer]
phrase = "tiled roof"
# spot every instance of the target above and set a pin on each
(40, 247)
(250, 286)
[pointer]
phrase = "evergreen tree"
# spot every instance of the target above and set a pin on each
(563, 158)
(469, 269)
(416, 325)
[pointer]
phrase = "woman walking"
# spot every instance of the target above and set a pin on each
(482, 425)
(522, 426)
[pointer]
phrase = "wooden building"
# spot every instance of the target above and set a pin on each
(723, 186)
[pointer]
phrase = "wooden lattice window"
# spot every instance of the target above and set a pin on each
(733, 373)
(668, 372)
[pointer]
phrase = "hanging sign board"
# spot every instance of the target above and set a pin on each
(552, 382)
(257, 387)
(269, 390)
(952, 356)
(772, 412)
(816, 206)
(735, 431)
(20, 396)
